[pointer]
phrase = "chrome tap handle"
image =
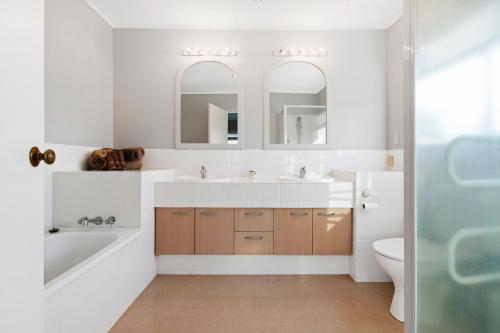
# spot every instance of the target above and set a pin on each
(203, 172)
(83, 220)
(110, 220)
(302, 172)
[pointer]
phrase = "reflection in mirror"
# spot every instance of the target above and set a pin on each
(209, 104)
(297, 104)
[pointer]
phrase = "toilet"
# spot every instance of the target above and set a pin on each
(390, 255)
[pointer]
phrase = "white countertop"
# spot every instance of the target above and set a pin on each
(251, 181)
(259, 193)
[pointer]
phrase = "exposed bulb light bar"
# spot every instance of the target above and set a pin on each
(218, 52)
(304, 52)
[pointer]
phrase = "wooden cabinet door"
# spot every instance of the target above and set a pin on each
(174, 231)
(214, 228)
(293, 231)
(332, 231)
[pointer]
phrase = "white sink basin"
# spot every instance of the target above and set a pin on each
(197, 178)
(308, 179)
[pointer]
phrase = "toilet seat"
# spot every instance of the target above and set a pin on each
(392, 248)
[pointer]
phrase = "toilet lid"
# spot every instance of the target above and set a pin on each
(393, 248)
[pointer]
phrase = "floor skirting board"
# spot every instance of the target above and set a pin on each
(253, 265)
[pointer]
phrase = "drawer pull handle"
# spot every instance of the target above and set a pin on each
(254, 214)
(326, 214)
(254, 237)
(299, 214)
(208, 213)
(182, 213)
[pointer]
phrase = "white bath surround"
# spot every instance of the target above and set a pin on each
(73, 251)
(91, 295)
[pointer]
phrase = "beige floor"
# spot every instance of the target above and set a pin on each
(269, 304)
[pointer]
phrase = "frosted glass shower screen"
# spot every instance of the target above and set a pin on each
(457, 165)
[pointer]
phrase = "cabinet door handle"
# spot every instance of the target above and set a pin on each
(254, 237)
(254, 214)
(327, 214)
(299, 214)
(182, 213)
(208, 213)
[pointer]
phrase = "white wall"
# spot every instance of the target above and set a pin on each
(147, 61)
(118, 279)
(69, 158)
(97, 193)
(386, 220)
(269, 164)
(78, 75)
(78, 88)
(395, 84)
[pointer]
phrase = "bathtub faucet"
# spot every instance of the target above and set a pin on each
(85, 221)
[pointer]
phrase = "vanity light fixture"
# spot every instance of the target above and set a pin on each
(304, 52)
(218, 52)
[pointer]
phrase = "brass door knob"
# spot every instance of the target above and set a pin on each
(49, 156)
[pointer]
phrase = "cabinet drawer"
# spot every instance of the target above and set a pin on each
(293, 231)
(332, 231)
(248, 219)
(174, 231)
(214, 228)
(256, 243)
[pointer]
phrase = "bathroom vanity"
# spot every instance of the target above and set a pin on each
(242, 217)
(253, 231)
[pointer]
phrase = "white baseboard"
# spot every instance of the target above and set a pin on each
(253, 265)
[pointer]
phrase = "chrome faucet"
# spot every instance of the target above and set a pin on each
(204, 172)
(84, 221)
(302, 174)
(110, 220)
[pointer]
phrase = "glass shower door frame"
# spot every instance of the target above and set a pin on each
(409, 167)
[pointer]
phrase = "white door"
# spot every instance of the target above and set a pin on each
(217, 124)
(21, 191)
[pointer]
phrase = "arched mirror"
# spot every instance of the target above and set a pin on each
(208, 112)
(295, 106)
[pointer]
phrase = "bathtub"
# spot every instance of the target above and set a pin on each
(92, 275)
(71, 252)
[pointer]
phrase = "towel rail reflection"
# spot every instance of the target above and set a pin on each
(454, 243)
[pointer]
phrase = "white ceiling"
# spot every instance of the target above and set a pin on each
(249, 14)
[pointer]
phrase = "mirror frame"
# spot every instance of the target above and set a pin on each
(267, 130)
(177, 98)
